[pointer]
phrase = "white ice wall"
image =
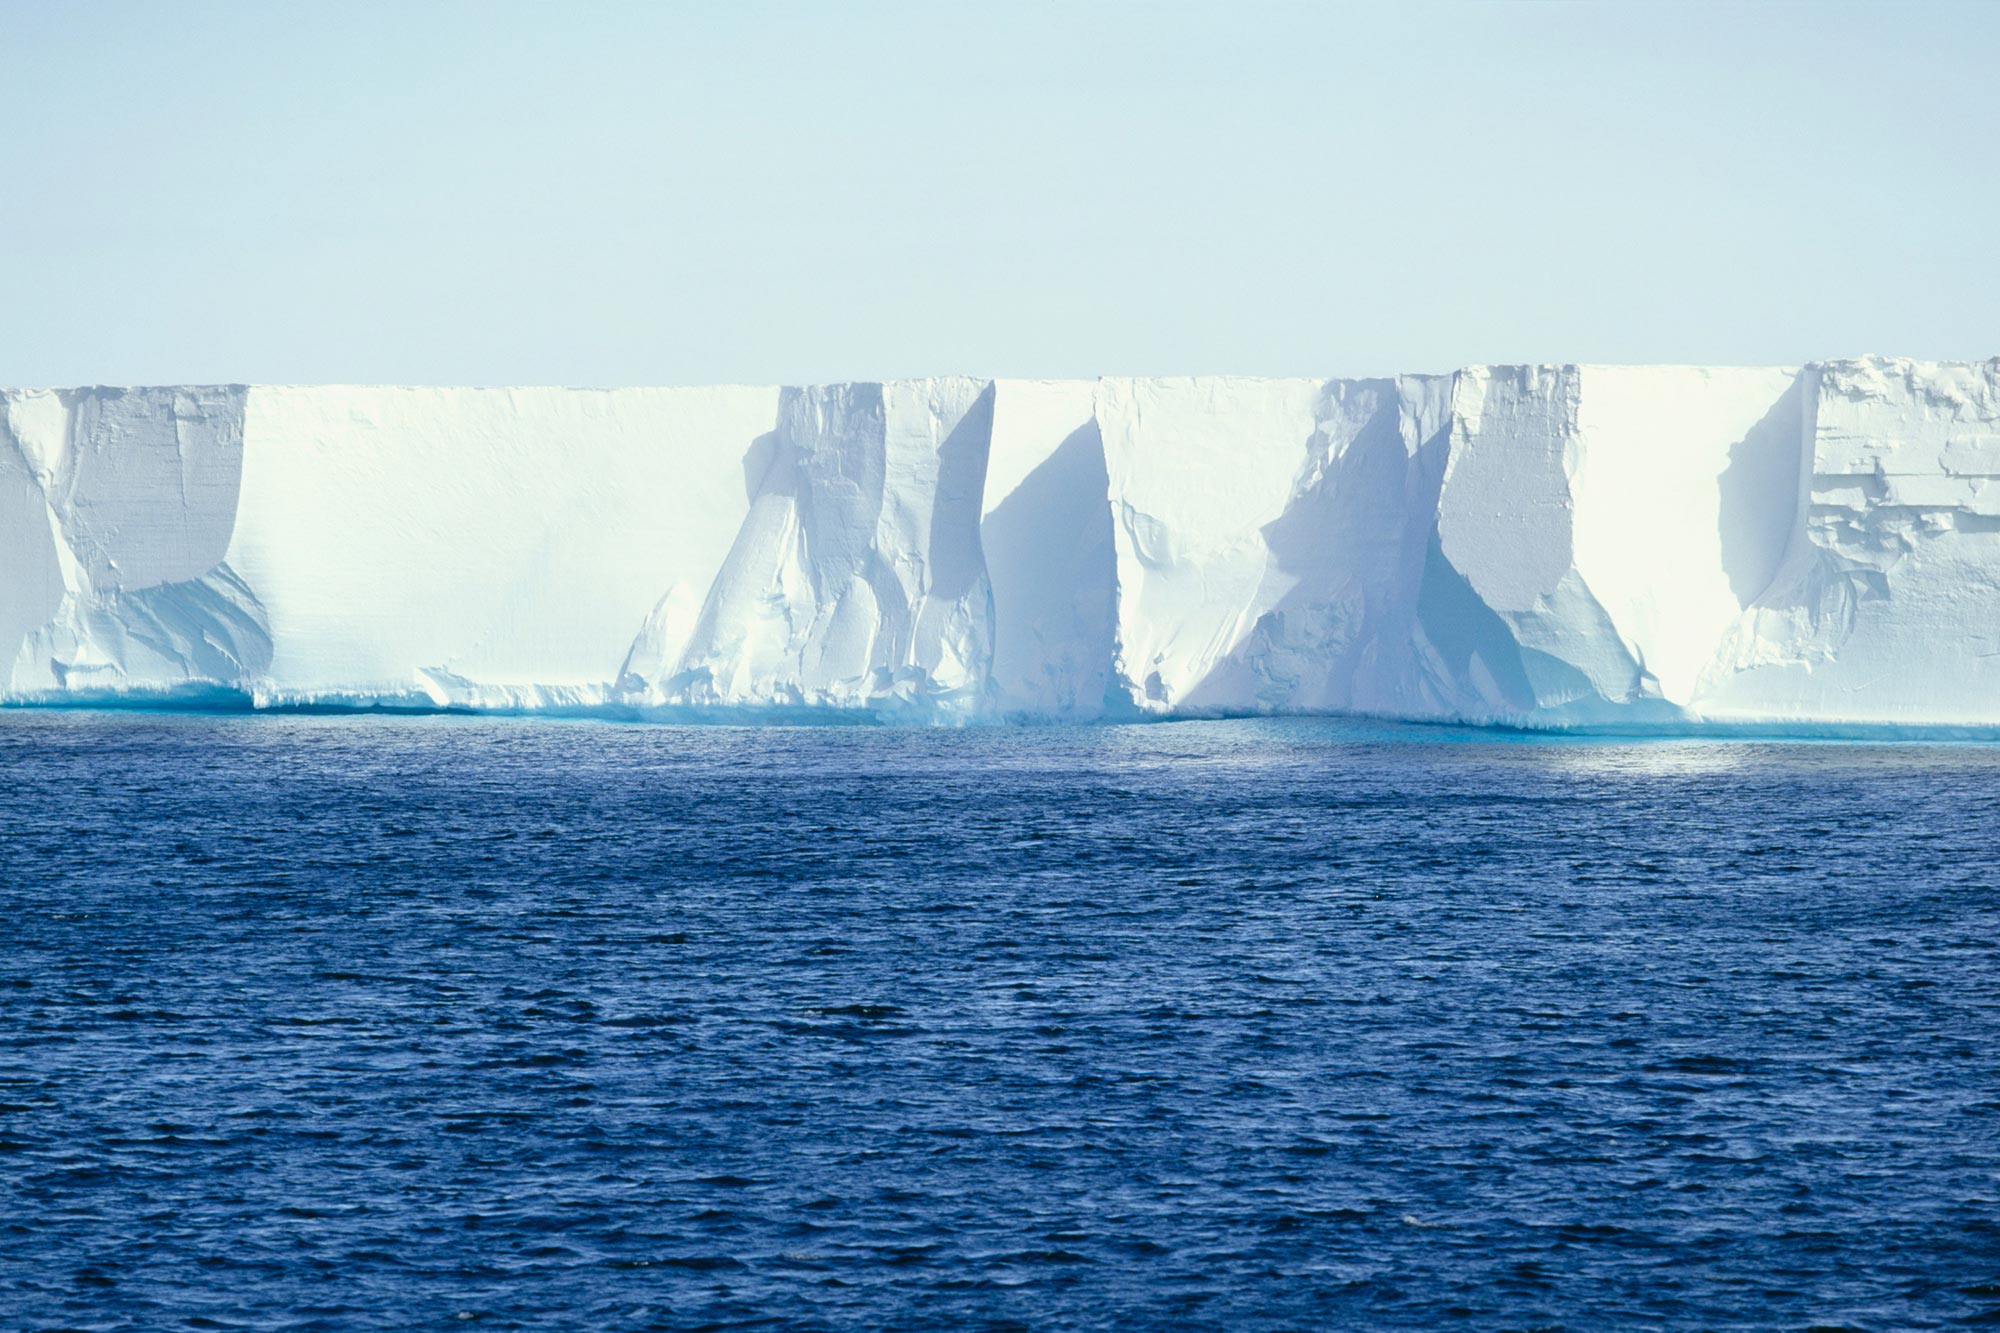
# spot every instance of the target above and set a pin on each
(1197, 469)
(1618, 519)
(482, 545)
(1045, 534)
(1530, 544)
(1886, 602)
(1270, 539)
(115, 514)
(33, 439)
(857, 579)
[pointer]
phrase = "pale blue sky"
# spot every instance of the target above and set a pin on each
(623, 194)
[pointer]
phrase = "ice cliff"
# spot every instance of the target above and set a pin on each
(1560, 545)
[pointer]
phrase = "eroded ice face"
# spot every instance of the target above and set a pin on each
(1530, 543)
(116, 510)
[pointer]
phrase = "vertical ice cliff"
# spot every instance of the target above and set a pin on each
(1885, 599)
(483, 547)
(1046, 536)
(1615, 519)
(1525, 544)
(116, 509)
(34, 439)
(1197, 470)
(857, 578)
(1270, 541)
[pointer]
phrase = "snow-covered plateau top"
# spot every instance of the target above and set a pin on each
(1537, 545)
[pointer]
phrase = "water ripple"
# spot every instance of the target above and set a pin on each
(363, 1023)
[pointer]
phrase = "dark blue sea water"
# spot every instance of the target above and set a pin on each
(368, 1023)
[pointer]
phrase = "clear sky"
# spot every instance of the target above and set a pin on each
(649, 193)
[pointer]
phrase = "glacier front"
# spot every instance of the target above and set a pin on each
(1568, 546)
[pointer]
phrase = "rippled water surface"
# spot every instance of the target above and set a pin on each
(355, 1022)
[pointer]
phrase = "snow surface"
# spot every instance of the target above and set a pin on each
(1536, 545)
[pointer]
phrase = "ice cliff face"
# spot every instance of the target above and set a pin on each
(1528, 544)
(856, 578)
(115, 513)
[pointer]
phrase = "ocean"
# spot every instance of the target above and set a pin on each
(378, 1022)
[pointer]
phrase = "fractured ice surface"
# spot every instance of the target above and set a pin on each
(115, 512)
(1528, 544)
(857, 577)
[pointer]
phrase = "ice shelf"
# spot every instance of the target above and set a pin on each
(1528, 545)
